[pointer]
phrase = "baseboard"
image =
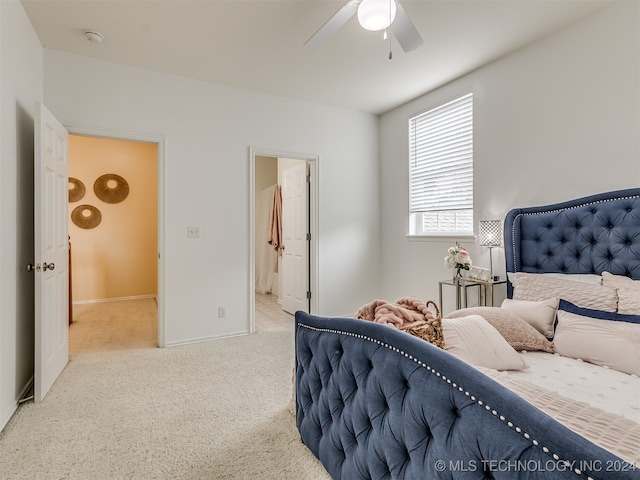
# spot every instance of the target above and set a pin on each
(115, 299)
(206, 339)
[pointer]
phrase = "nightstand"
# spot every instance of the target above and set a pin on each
(462, 285)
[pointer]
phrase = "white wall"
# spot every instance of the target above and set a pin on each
(209, 130)
(554, 121)
(20, 87)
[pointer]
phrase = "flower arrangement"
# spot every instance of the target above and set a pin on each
(457, 258)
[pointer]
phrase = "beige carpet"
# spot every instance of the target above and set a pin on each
(214, 410)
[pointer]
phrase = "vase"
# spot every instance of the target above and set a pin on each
(458, 274)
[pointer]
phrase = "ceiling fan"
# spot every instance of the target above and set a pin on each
(373, 15)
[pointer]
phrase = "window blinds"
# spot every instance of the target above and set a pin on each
(441, 158)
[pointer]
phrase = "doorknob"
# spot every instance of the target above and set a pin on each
(50, 266)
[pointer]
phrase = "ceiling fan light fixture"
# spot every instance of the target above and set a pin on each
(376, 15)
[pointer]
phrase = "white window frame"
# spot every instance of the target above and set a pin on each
(441, 169)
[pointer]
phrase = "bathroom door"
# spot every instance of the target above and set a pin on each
(295, 255)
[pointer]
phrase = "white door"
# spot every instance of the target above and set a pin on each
(51, 251)
(295, 256)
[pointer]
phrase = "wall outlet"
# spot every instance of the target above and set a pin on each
(193, 232)
(222, 312)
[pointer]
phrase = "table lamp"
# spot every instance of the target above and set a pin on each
(490, 235)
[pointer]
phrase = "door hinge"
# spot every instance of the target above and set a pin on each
(308, 178)
(308, 295)
(308, 236)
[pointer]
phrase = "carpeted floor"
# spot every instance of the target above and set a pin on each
(214, 410)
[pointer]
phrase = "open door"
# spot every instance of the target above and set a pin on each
(51, 251)
(295, 254)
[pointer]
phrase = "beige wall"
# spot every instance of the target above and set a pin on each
(118, 258)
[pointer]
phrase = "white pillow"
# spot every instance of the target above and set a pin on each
(540, 315)
(628, 292)
(473, 340)
(535, 287)
(602, 338)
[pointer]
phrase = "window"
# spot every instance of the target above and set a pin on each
(441, 169)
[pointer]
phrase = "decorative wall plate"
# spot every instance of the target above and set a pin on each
(76, 189)
(111, 188)
(86, 216)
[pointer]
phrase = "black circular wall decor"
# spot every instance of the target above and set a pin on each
(86, 216)
(111, 188)
(76, 189)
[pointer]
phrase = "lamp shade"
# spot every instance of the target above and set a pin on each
(376, 15)
(490, 233)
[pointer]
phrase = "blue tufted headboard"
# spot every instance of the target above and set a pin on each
(587, 235)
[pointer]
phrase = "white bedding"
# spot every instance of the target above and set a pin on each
(601, 404)
(600, 387)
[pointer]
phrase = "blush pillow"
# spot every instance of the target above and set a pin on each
(517, 332)
(628, 292)
(477, 343)
(535, 287)
(540, 315)
(603, 338)
(590, 278)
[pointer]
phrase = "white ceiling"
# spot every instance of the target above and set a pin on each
(258, 45)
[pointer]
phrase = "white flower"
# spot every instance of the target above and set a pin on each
(458, 258)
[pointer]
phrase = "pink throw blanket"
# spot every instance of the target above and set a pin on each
(404, 311)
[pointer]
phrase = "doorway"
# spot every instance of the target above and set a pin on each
(115, 235)
(282, 279)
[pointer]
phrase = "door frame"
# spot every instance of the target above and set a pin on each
(312, 219)
(160, 141)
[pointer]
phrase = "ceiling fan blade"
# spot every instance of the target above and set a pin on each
(334, 24)
(404, 30)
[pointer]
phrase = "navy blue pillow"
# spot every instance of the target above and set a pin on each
(599, 314)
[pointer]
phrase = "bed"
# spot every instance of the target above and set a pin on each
(373, 402)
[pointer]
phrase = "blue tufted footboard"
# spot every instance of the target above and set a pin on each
(376, 403)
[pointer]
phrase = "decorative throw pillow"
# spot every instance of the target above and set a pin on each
(517, 332)
(477, 343)
(590, 278)
(537, 288)
(628, 292)
(540, 315)
(603, 338)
